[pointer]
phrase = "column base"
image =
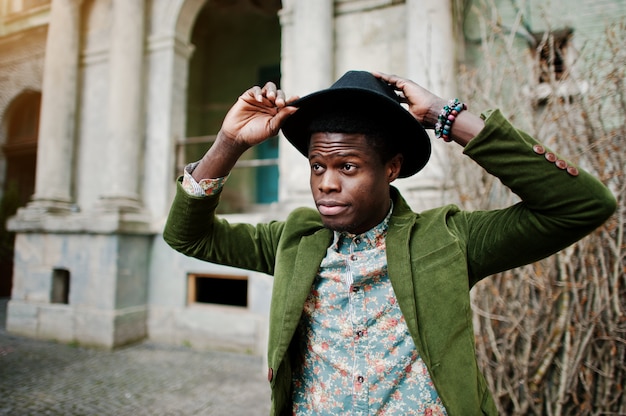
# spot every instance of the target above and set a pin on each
(39, 206)
(39, 211)
(104, 219)
(119, 204)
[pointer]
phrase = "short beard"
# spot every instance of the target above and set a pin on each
(342, 228)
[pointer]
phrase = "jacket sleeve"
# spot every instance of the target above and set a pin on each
(193, 229)
(560, 203)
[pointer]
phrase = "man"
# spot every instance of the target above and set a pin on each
(370, 312)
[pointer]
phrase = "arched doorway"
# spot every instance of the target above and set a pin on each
(237, 44)
(20, 152)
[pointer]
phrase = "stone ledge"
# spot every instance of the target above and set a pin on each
(29, 220)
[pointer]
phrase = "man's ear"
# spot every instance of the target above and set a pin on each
(394, 166)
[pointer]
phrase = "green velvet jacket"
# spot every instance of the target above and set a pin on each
(434, 257)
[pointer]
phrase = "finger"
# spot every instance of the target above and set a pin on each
(396, 82)
(269, 89)
(391, 79)
(257, 93)
(292, 98)
(282, 115)
(378, 74)
(280, 99)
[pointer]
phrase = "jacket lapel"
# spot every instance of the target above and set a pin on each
(311, 251)
(403, 221)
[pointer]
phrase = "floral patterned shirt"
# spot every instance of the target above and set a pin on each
(204, 187)
(358, 357)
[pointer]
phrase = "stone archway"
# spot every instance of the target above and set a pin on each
(236, 45)
(21, 122)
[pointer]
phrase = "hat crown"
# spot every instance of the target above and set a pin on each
(371, 97)
(364, 80)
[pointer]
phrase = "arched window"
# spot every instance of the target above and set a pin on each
(20, 151)
(237, 45)
(20, 148)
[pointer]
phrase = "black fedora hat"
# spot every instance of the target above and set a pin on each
(372, 97)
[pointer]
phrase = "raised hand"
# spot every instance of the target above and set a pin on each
(426, 106)
(423, 104)
(256, 116)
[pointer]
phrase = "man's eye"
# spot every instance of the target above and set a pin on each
(316, 166)
(348, 166)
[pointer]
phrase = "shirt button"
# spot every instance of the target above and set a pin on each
(360, 379)
(353, 257)
(355, 289)
(357, 241)
(359, 334)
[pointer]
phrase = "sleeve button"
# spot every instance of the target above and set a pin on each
(561, 164)
(539, 149)
(551, 157)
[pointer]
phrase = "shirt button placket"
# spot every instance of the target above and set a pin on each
(361, 396)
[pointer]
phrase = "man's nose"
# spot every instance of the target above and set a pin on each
(329, 182)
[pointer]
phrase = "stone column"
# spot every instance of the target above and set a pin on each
(125, 106)
(431, 62)
(431, 45)
(313, 45)
(55, 161)
(168, 68)
(307, 66)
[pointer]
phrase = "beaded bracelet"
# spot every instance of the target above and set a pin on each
(448, 114)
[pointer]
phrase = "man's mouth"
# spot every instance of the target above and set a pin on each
(330, 208)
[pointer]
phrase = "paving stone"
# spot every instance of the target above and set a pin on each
(46, 378)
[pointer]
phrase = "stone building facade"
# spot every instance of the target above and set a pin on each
(122, 93)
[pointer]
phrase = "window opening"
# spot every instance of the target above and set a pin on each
(236, 46)
(229, 290)
(551, 52)
(60, 292)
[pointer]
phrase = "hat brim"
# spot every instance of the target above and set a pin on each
(411, 138)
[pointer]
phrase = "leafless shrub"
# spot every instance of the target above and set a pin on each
(551, 336)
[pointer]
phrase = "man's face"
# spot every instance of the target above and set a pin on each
(350, 184)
